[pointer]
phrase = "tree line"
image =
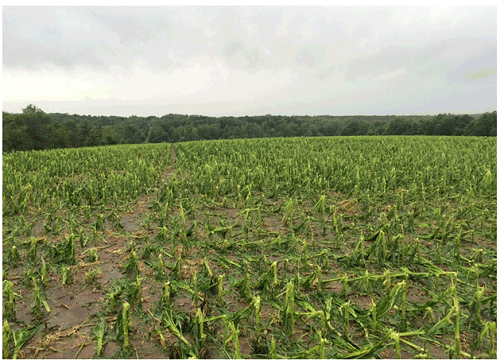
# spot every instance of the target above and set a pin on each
(33, 129)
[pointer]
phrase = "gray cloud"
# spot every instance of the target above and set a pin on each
(310, 54)
(91, 37)
(326, 51)
(480, 74)
(231, 48)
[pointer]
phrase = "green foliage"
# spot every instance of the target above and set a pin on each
(122, 326)
(8, 301)
(305, 248)
(64, 252)
(288, 317)
(7, 340)
(13, 341)
(132, 266)
(33, 129)
(66, 275)
(99, 332)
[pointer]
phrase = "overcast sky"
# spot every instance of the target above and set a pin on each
(250, 60)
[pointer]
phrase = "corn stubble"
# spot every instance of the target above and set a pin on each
(352, 247)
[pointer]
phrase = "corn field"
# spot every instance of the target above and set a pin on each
(334, 247)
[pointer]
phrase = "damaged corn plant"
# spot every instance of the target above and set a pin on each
(326, 247)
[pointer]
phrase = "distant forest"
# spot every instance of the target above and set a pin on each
(33, 129)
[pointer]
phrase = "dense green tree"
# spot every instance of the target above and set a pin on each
(34, 129)
(461, 123)
(445, 125)
(485, 126)
(15, 134)
(83, 133)
(157, 134)
(95, 137)
(39, 126)
(427, 126)
(330, 127)
(180, 134)
(133, 135)
(399, 126)
(377, 128)
(355, 127)
(109, 135)
(61, 137)
(254, 130)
